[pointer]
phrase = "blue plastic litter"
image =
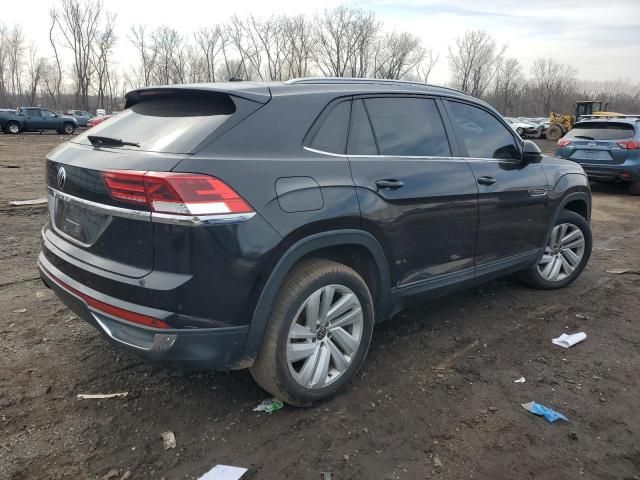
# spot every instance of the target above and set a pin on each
(542, 411)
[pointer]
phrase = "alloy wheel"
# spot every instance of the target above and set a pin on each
(14, 128)
(563, 252)
(324, 336)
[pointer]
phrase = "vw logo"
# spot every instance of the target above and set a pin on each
(592, 145)
(62, 177)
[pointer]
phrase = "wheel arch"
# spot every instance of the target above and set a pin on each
(336, 245)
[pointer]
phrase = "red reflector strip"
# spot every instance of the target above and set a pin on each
(118, 312)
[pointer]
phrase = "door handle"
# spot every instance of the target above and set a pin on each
(389, 184)
(486, 180)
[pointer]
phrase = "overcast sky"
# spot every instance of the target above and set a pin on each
(600, 38)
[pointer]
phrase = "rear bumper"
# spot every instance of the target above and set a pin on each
(611, 173)
(202, 348)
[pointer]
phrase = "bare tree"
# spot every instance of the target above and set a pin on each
(79, 24)
(35, 72)
(344, 40)
(508, 83)
(298, 33)
(397, 54)
(425, 67)
(53, 78)
(210, 42)
(146, 52)
(15, 60)
(473, 61)
(102, 53)
(552, 80)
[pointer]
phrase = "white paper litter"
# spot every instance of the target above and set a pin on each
(168, 440)
(621, 271)
(567, 341)
(520, 380)
(35, 201)
(20, 310)
(224, 472)
(91, 396)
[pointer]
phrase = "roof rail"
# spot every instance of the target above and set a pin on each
(352, 80)
(617, 115)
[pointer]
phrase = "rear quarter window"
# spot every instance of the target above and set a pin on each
(601, 131)
(331, 134)
(170, 124)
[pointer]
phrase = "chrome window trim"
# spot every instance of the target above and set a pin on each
(433, 157)
(167, 218)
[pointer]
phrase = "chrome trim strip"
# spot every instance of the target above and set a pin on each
(340, 155)
(184, 220)
(100, 207)
(195, 220)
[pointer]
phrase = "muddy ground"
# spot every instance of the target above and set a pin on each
(436, 397)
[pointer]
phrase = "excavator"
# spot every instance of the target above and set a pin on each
(561, 124)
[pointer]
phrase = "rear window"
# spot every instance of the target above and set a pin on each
(602, 131)
(171, 124)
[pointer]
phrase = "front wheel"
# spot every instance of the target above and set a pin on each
(317, 335)
(566, 254)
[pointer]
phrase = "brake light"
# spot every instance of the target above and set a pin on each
(177, 193)
(563, 142)
(630, 145)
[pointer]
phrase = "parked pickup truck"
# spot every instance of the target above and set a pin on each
(29, 119)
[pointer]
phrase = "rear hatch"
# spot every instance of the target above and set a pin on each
(598, 142)
(160, 128)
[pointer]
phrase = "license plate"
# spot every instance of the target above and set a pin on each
(78, 223)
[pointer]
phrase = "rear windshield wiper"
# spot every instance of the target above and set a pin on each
(583, 136)
(97, 140)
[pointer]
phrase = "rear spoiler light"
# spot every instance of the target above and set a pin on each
(175, 193)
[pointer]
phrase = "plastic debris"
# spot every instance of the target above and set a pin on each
(326, 475)
(542, 411)
(520, 380)
(168, 440)
(621, 271)
(35, 201)
(567, 341)
(437, 462)
(99, 396)
(20, 310)
(224, 472)
(269, 405)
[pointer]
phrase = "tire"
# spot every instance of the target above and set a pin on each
(13, 128)
(68, 128)
(634, 188)
(519, 131)
(572, 259)
(555, 132)
(289, 362)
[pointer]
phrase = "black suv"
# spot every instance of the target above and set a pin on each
(270, 226)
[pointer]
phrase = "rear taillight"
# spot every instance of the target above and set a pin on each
(177, 193)
(630, 145)
(563, 142)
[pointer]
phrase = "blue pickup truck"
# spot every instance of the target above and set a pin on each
(34, 119)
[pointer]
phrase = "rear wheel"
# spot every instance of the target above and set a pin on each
(68, 128)
(13, 128)
(317, 335)
(555, 132)
(566, 254)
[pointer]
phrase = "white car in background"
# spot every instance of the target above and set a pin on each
(524, 128)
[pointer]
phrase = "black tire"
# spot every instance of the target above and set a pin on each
(271, 369)
(555, 132)
(13, 128)
(634, 188)
(519, 131)
(534, 278)
(68, 128)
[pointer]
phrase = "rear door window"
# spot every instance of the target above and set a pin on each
(407, 126)
(361, 140)
(601, 131)
(171, 124)
(331, 135)
(482, 133)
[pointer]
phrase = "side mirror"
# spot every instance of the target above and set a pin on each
(531, 152)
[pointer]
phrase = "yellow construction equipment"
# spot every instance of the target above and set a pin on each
(561, 124)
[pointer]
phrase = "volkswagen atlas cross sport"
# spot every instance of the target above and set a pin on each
(607, 148)
(270, 226)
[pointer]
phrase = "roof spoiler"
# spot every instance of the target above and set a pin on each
(247, 90)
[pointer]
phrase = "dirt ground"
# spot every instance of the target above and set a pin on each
(436, 397)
